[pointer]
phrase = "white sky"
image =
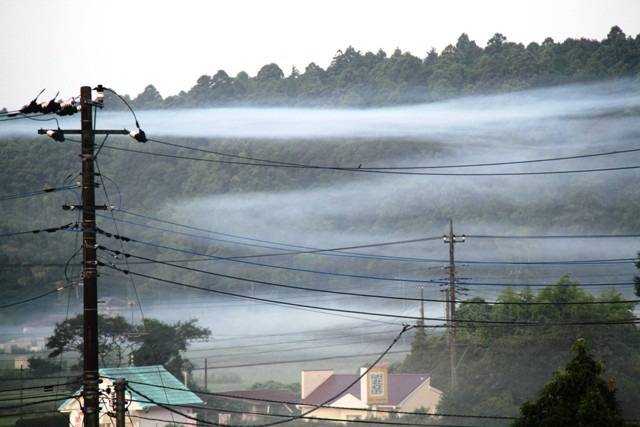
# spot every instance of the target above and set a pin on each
(128, 44)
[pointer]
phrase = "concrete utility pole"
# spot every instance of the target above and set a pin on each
(452, 239)
(120, 386)
(90, 377)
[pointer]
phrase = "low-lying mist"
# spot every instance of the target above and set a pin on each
(303, 207)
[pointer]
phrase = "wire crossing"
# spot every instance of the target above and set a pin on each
(358, 294)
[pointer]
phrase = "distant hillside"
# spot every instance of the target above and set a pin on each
(370, 79)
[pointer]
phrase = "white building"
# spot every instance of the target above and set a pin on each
(154, 382)
(375, 395)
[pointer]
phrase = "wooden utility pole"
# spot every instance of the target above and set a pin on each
(452, 239)
(90, 392)
(90, 377)
(120, 386)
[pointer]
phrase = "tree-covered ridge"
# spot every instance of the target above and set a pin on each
(366, 79)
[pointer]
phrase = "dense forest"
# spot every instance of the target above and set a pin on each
(368, 79)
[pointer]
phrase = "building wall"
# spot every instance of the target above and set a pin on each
(164, 414)
(342, 414)
(424, 396)
(75, 418)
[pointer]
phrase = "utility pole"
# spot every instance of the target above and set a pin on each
(451, 239)
(120, 386)
(206, 374)
(89, 264)
(422, 304)
(90, 377)
(21, 389)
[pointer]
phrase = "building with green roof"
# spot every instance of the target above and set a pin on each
(151, 390)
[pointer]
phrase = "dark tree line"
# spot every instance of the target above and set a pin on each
(366, 79)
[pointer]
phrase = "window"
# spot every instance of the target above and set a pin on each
(376, 387)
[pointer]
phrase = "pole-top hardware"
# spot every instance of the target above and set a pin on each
(138, 135)
(56, 135)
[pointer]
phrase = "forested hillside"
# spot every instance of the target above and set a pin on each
(365, 79)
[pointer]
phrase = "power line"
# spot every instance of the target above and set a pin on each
(40, 230)
(31, 412)
(37, 297)
(43, 386)
(356, 421)
(525, 236)
(428, 260)
(35, 193)
(292, 361)
(24, 405)
(304, 270)
(271, 344)
(358, 294)
(389, 172)
(362, 168)
(381, 169)
(405, 328)
(368, 313)
(308, 250)
(51, 377)
(20, 117)
(228, 357)
(33, 396)
(551, 236)
(381, 410)
(115, 225)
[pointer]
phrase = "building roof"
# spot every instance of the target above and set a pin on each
(264, 395)
(157, 377)
(399, 386)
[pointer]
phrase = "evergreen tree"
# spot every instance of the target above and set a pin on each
(576, 396)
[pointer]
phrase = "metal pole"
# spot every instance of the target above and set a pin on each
(89, 265)
(120, 386)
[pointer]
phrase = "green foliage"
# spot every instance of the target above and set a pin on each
(501, 367)
(161, 344)
(40, 367)
(365, 79)
(113, 338)
(154, 343)
(58, 420)
(576, 396)
(276, 385)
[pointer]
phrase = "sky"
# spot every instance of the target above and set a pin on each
(62, 45)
